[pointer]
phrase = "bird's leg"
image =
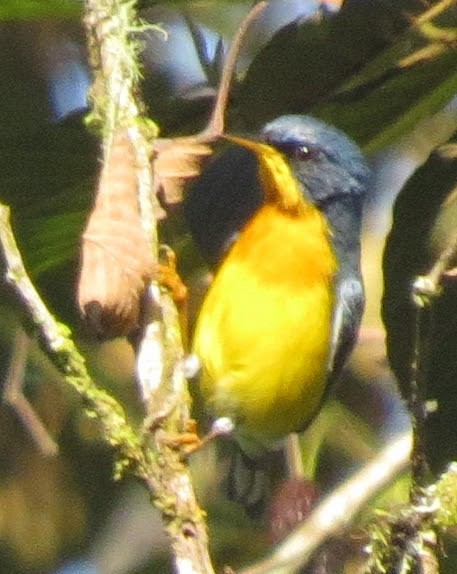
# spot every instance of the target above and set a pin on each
(168, 276)
(190, 442)
(222, 426)
(294, 458)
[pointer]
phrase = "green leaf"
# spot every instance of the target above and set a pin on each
(52, 241)
(33, 9)
(309, 59)
(409, 253)
(368, 70)
(379, 115)
(47, 178)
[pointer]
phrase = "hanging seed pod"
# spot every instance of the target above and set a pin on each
(116, 262)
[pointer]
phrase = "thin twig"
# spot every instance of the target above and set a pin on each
(216, 124)
(433, 12)
(337, 510)
(425, 288)
(14, 396)
(58, 345)
(417, 407)
(428, 285)
(411, 537)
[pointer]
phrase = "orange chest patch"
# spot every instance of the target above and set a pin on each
(284, 248)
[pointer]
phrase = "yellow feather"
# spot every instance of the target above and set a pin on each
(279, 186)
(263, 333)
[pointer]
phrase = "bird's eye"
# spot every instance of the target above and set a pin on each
(292, 149)
(303, 152)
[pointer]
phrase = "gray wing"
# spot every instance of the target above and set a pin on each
(350, 303)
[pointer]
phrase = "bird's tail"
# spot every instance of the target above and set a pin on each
(250, 480)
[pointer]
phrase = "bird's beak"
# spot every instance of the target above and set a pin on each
(277, 180)
(252, 145)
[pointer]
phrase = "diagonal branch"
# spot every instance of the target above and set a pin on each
(336, 510)
(156, 463)
(57, 343)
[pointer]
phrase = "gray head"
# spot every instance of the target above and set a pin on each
(326, 162)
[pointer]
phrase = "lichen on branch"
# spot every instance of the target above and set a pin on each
(57, 342)
(139, 307)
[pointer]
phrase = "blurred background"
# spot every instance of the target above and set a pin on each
(383, 71)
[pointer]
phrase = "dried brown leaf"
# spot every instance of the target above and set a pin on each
(177, 162)
(116, 262)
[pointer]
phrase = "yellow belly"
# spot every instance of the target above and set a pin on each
(263, 334)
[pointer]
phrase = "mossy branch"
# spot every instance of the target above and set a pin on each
(113, 51)
(148, 454)
(153, 459)
(409, 539)
(58, 344)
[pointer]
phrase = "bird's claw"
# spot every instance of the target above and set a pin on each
(168, 276)
(189, 441)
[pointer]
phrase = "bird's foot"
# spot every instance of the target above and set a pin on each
(189, 441)
(168, 276)
(222, 426)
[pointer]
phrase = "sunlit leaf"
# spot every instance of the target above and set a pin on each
(33, 9)
(380, 114)
(368, 70)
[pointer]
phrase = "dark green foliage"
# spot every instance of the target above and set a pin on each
(344, 68)
(30, 9)
(353, 70)
(368, 70)
(408, 254)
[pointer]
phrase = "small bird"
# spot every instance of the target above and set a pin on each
(280, 219)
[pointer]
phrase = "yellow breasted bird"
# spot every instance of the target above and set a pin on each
(280, 217)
